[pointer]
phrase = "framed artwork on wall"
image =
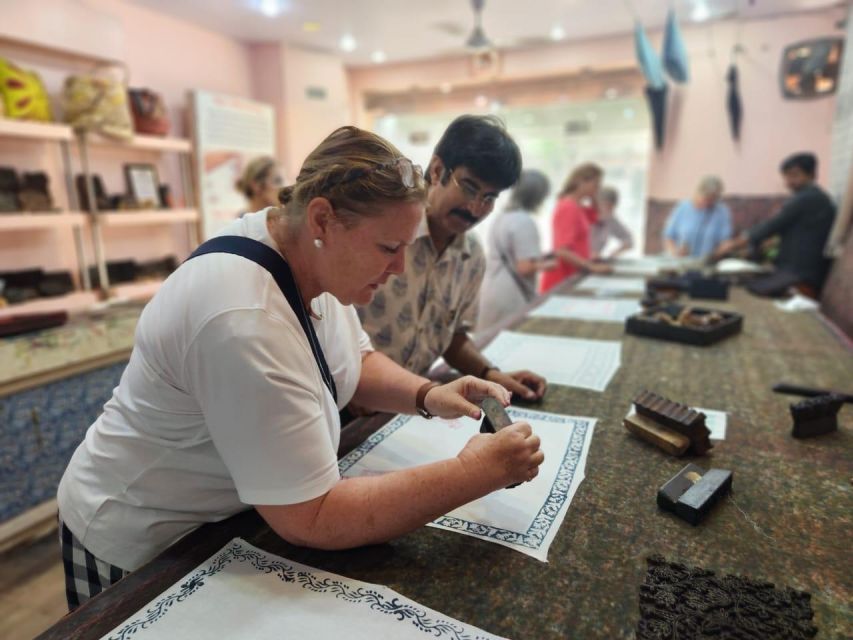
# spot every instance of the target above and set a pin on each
(809, 69)
(143, 185)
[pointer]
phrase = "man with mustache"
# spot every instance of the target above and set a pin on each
(428, 310)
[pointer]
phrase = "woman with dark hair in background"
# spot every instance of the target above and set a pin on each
(514, 255)
(260, 183)
(571, 226)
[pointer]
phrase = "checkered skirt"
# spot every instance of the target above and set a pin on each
(85, 575)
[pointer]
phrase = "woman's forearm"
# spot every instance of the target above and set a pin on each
(386, 386)
(371, 510)
(569, 256)
(625, 246)
(374, 509)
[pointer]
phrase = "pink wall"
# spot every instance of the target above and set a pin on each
(267, 78)
(163, 53)
(698, 139)
(307, 118)
(310, 93)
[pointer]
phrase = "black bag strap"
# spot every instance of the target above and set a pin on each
(271, 260)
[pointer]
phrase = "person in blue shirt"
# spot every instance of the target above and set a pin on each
(696, 227)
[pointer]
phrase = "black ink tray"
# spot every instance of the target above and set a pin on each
(641, 325)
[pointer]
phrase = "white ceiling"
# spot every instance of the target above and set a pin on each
(409, 29)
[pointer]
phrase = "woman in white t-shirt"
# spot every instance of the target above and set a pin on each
(225, 403)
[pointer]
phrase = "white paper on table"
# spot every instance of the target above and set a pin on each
(573, 362)
(525, 518)
(244, 592)
(738, 265)
(797, 302)
(592, 309)
(716, 421)
(604, 285)
(653, 265)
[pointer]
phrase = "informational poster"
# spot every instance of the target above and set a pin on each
(229, 132)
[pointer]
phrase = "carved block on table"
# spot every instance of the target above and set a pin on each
(670, 417)
(816, 416)
(692, 492)
(670, 441)
(495, 418)
(679, 601)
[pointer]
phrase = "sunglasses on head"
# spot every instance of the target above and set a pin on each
(411, 175)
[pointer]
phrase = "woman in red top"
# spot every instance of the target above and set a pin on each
(571, 223)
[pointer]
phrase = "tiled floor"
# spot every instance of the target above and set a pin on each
(32, 589)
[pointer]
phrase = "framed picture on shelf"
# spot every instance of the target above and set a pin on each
(143, 185)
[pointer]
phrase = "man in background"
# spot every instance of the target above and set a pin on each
(803, 226)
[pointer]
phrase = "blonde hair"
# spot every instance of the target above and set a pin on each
(581, 173)
(353, 169)
(257, 170)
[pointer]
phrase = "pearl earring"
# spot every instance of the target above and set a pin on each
(318, 243)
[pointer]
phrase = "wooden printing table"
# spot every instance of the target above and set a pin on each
(797, 492)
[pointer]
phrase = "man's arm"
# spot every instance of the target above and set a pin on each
(786, 217)
(463, 355)
(762, 231)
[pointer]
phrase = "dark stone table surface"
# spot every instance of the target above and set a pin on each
(791, 523)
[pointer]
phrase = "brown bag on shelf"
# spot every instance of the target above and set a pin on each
(149, 112)
(97, 102)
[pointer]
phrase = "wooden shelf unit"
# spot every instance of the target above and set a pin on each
(145, 143)
(10, 128)
(145, 217)
(27, 220)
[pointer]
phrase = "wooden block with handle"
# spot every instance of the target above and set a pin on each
(674, 443)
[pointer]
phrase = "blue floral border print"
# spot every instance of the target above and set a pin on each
(541, 525)
(238, 551)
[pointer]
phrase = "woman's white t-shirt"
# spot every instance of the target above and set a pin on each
(221, 406)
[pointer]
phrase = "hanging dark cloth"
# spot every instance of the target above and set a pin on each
(733, 101)
(657, 107)
(656, 90)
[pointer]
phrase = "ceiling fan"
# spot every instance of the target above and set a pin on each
(478, 40)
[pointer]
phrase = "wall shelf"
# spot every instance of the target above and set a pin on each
(35, 130)
(26, 220)
(72, 303)
(144, 217)
(144, 143)
(137, 291)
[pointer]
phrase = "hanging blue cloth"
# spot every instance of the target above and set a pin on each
(674, 52)
(648, 59)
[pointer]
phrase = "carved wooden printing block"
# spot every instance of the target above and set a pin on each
(671, 426)
(692, 492)
(816, 416)
(678, 602)
(495, 418)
